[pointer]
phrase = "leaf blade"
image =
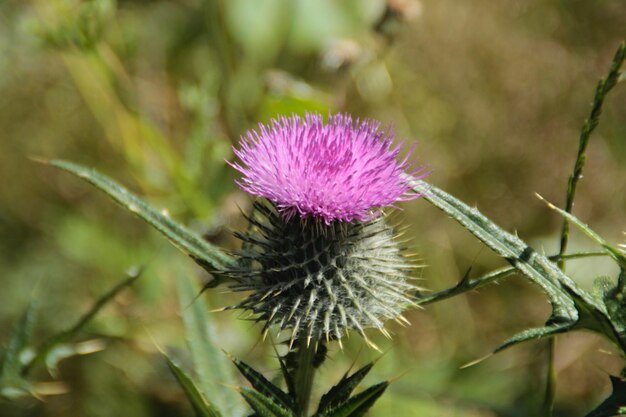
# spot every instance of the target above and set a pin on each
(262, 405)
(67, 335)
(358, 405)
(199, 403)
(265, 387)
(12, 383)
(210, 363)
(341, 392)
(202, 252)
(537, 267)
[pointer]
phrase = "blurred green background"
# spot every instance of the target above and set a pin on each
(154, 93)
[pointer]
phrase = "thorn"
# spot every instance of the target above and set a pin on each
(274, 311)
(294, 308)
(39, 159)
(403, 320)
(385, 333)
(267, 294)
(397, 377)
(476, 361)
(373, 345)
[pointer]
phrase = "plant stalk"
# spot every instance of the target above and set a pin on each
(602, 89)
(550, 392)
(304, 373)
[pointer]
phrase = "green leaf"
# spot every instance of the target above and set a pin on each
(341, 392)
(12, 384)
(287, 376)
(466, 284)
(614, 298)
(615, 253)
(535, 334)
(11, 364)
(568, 301)
(265, 387)
(205, 254)
(210, 363)
(525, 259)
(263, 405)
(357, 405)
(615, 405)
(57, 347)
(199, 403)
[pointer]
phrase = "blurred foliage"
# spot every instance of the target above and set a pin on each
(154, 93)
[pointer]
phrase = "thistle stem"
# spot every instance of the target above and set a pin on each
(550, 392)
(304, 374)
(604, 86)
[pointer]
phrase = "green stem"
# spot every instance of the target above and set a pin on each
(604, 86)
(550, 393)
(304, 373)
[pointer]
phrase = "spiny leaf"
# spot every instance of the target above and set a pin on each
(614, 297)
(341, 392)
(568, 301)
(46, 352)
(466, 284)
(263, 406)
(199, 403)
(535, 334)
(210, 363)
(357, 405)
(538, 268)
(615, 405)
(265, 387)
(201, 251)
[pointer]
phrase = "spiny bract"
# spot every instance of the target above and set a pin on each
(321, 280)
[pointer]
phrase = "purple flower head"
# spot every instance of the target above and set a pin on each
(336, 171)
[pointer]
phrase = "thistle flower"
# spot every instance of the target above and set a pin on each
(338, 171)
(319, 257)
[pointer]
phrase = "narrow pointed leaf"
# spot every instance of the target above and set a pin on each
(341, 392)
(287, 376)
(537, 267)
(210, 363)
(12, 384)
(263, 406)
(199, 403)
(568, 301)
(466, 284)
(358, 405)
(201, 251)
(615, 253)
(11, 366)
(46, 353)
(535, 334)
(265, 387)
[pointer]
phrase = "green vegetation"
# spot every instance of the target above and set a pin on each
(155, 93)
